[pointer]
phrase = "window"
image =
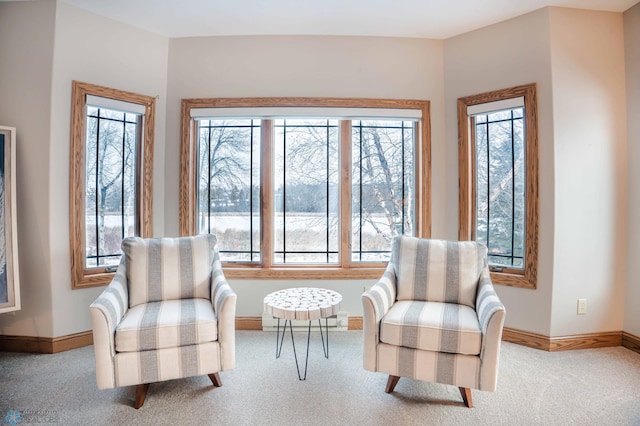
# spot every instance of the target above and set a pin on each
(111, 169)
(304, 188)
(498, 168)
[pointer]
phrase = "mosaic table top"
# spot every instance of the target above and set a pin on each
(303, 303)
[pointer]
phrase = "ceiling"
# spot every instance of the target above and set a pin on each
(435, 19)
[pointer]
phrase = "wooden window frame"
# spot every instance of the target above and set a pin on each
(82, 277)
(526, 277)
(266, 269)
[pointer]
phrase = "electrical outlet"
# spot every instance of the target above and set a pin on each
(582, 306)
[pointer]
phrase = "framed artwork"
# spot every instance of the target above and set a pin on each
(9, 277)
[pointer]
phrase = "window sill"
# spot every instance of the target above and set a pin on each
(302, 273)
(93, 280)
(513, 280)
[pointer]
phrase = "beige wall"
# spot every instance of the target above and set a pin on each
(96, 50)
(576, 59)
(587, 57)
(100, 51)
(503, 55)
(26, 54)
(302, 66)
(45, 45)
(632, 60)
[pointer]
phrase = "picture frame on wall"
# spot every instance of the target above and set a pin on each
(9, 276)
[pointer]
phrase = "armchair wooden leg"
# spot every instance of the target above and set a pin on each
(215, 379)
(141, 394)
(466, 397)
(391, 383)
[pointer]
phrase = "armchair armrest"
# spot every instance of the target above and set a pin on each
(223, 299)
(106, 313)
(491, 314)
(375, 304)
(382, 295)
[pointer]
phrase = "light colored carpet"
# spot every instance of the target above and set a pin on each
(586, 387)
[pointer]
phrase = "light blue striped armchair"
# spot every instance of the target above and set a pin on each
(435, 316)
(168, 313)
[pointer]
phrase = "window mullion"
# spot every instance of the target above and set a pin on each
(488, 136)
(345, 186)
(251, 248)
(472, 179)
(404, 198)
(138, 172)
(267, 193)
(513, 191)
(328, 217)
(122, 183)
(361, 209)
(209, 160)
(423, 180)
(97, 203)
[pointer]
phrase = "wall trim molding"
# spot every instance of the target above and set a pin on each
(525, 338)
(355, 323)
(45, 345)
(631, 342)
(554, 344)
(564, 343)
(52, 345)
(248, 323)
(585, 341)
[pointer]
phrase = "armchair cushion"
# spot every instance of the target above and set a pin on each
(168, 268)
(438, 270)
(432, 326)
(167, 324)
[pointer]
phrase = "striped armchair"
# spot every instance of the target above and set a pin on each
(168, 313)
(435, 316)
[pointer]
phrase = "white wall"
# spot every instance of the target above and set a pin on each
(587, 57)
(632, 60)
(304, 66)
(26, 53)
(503, 55)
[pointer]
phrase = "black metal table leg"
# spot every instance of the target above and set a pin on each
(280, 340)
(295, 355)
(326, 327)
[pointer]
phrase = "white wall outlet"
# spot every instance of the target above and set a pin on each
(582, 306)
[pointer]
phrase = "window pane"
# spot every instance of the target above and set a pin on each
(383, 186)
(229, 186)
(500, 186)
(110, 203)
(306, 191)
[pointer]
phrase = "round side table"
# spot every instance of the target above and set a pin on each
(302, 303)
